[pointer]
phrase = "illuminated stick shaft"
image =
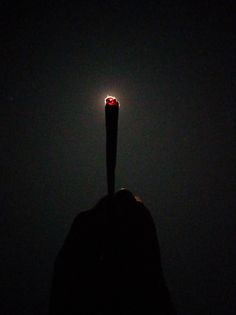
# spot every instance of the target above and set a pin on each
(112, 113)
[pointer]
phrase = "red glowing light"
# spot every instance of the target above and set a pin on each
(111, 101)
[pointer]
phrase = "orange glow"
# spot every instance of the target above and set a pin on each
(111, 101)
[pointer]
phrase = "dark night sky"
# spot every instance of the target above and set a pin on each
(171, 64)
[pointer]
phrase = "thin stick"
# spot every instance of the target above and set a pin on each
(112, 114)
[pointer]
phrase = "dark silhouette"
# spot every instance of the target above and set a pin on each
(110, 262)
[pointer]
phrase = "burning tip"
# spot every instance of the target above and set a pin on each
(111, 101)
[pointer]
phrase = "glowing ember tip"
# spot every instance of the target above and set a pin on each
(111, 101)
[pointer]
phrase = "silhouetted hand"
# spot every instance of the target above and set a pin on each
(110, 262)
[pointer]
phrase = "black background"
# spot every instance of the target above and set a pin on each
(171, 65)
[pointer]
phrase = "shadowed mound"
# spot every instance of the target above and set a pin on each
(110, 262)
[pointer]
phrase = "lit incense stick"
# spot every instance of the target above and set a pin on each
(111, 113)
